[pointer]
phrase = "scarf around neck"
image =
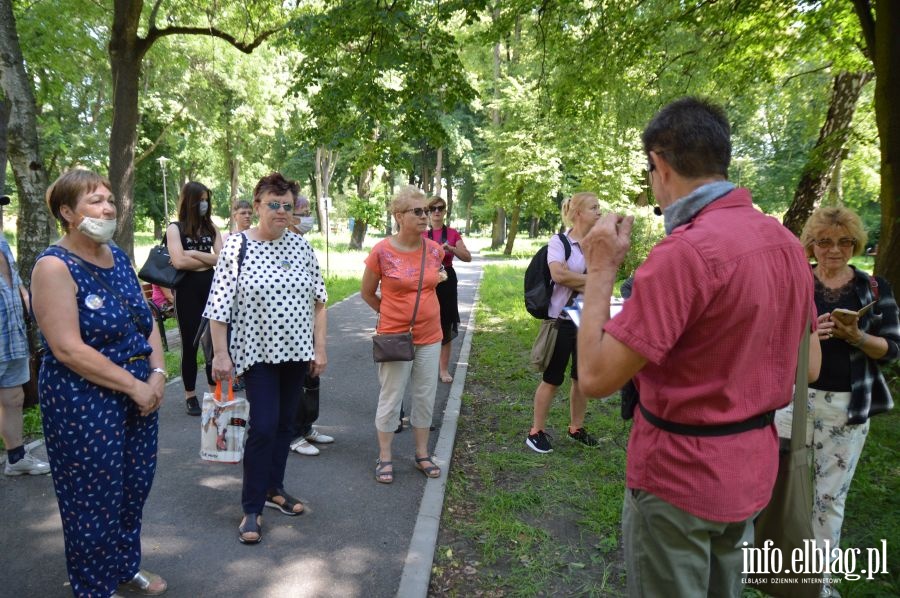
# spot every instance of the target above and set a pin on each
(684, 210)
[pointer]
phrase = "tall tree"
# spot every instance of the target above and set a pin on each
(35, 225)
(825, 158)
(881, 32)
(127, 49)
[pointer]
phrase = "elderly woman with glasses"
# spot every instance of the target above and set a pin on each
(396, 265)
(453, 246)
(269, 287)
(857, 340)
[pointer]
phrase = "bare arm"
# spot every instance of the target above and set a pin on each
(181, 259)
(320, 330)
(24, 293)
(222, 366)
(561, 274)
(56, 312)
(368, 289)
(459, 250)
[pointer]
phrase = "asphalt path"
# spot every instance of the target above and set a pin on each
(354, 539)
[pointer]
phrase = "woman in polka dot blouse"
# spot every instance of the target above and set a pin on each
(394, 264)
(100, 386)
(275, 301)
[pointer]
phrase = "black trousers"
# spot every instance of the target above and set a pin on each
(190, 300)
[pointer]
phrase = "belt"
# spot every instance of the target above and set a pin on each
(753, 423)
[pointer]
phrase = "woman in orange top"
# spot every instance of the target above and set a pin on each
(394, 264)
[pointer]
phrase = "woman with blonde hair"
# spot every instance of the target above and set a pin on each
(567, 269)
(396, 265)
(850, 388)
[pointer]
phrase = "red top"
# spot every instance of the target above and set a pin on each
(399, 272)
(453, 237)
(718, 310)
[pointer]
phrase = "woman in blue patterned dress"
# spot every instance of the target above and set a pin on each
(101, 384)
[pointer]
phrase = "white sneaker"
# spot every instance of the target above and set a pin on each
(316, 436)
(304, 448)
(29, 464)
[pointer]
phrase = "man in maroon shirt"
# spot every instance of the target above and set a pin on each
(710, 335)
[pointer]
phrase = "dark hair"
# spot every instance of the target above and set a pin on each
(241, 204)
(193, 225)
(276, 184)
(66, 190)
(693, 135)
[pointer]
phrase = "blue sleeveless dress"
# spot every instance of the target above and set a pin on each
(102, 452)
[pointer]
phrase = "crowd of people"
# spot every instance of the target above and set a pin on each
(708, 341)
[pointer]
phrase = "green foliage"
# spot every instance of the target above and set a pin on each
(369, 211)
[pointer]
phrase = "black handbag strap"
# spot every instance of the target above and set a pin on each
(204, 322)
(135, 319)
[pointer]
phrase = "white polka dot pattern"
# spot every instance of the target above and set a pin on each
(271, 307)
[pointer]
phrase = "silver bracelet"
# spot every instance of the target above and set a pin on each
(160, 371)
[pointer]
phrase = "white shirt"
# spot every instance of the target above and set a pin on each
(270, 306)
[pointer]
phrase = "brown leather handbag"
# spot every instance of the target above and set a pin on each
(399, 346)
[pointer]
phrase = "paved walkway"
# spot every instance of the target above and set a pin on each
(357, 538)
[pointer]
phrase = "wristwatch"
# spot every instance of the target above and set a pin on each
(160, 371)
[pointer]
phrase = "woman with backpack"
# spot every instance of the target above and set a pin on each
(579, 212)
(453, 246)
(194, 244)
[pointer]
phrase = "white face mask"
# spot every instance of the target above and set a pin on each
(100, 230)
(305, 225)
(203, 207)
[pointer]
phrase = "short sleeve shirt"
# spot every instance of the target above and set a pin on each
(270, 305)
(453, 237)
(13, 339)
(399, 273)
(556, 252)
(718, 310)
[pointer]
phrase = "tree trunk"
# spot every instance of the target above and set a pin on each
(825, 155)
(449, 201)
(498, 234)
(326, 160)
(35, 225)
(887, 115)
(438, 172)
(126, 53)
(363, 188)
(513, 228)
(5, 109)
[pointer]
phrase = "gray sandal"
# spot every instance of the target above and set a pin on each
(382, 476)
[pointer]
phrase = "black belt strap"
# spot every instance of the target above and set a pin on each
(754, 423)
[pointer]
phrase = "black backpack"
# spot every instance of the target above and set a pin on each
(538, 284)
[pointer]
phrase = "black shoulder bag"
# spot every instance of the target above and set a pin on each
(158, 268)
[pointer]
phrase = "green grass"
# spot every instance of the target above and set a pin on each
(517, 523)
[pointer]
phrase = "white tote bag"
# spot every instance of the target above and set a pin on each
(223, 426)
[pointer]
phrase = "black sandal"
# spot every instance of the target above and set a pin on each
(286, 507)
(251, 525)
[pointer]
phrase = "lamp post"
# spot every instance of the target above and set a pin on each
(162, 165)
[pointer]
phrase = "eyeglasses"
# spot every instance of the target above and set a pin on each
(301, 214)
(274, 205)
(437, 209)
(843, 243)
(419, 212)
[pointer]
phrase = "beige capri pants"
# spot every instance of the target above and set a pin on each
(422, 373)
